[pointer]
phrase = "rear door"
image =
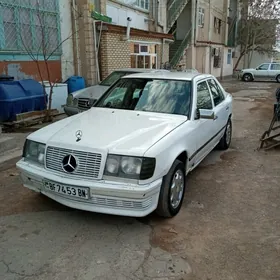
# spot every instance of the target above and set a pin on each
(221, 108)
(274, 70)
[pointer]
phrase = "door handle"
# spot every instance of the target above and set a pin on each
(227, 108)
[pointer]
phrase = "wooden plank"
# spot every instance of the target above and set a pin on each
(34, 114)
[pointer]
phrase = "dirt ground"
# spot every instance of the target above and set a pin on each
(228, 228)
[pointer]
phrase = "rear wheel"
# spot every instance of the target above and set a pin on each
(226, 139)
(172, 191)
(278, 79)
(247, 77)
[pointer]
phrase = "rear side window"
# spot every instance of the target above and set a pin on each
(275, 66)
(204, 100)
(216, 91)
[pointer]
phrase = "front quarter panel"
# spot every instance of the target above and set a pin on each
(182, 139)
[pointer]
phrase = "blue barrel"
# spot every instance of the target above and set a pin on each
(75, 83)
(18, 97)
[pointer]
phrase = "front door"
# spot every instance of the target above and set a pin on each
(262, 71)
(204, 127)
(221, 110)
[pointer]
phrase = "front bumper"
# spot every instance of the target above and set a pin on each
(104, 197)
(70, 111)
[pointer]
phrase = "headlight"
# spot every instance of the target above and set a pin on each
(34, 151)
(69, 101)
(130, 167)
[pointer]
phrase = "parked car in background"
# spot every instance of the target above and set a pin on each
(83, 99)
(266, 71)
(129, 154)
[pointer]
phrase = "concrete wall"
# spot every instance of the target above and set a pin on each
(20, 67)
(257, 59)
(184, 22)
(119, 14)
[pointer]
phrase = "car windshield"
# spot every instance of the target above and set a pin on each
(113, 77)
(152, 95)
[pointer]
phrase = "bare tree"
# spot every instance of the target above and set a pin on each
(46, 47)
(257, 30)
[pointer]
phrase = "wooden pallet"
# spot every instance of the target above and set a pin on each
(269, 138)
(28, 119)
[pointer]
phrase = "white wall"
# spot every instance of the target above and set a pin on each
(120, 13)
(67, 58)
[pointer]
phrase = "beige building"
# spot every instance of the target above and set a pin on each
(204, 31)
(116, 34)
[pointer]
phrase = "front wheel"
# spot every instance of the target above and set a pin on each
(172, 191)
(247, 77)
(226, 139)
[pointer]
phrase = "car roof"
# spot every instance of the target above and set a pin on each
(139, 70)
(184, 76)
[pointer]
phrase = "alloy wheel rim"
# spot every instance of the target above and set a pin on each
(228, 133)
(177, 189)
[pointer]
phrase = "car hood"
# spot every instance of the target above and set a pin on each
(249, 69)
(114, 131)
(93, 92)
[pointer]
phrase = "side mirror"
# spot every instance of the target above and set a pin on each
(206, 114)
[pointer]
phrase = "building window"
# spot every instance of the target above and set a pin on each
(201, 13)
(24, 26)
(217, 25)
(143, 4)
(143, 56)
(229, 56)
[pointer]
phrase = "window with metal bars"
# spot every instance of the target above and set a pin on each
(30, 25)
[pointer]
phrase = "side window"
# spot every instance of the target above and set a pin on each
(204, 100)
(275, 66)
(264, 66)
(216, 92)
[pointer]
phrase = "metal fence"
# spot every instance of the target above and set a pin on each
(29, 26)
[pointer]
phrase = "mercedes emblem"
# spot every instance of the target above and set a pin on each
(69, 163)
(79, 135)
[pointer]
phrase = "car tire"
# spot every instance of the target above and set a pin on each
(225, 141)
(247, 77)
(167, 207)
(278, 79)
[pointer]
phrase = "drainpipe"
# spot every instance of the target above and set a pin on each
(194, 31)
(77, 53)
(96, 48)
(156, 13)
(209, 39)
(128, 28)
(225, 8)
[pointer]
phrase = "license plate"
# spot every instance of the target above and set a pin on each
(66, 190)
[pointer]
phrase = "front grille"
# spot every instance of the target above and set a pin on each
(88, 164)
(120, 203)
(84, 103)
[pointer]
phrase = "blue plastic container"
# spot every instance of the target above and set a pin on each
(75, 83)
(18, 97)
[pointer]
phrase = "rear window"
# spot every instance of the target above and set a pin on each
(113, 77)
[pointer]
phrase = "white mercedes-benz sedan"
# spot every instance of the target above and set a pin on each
(130, 153)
